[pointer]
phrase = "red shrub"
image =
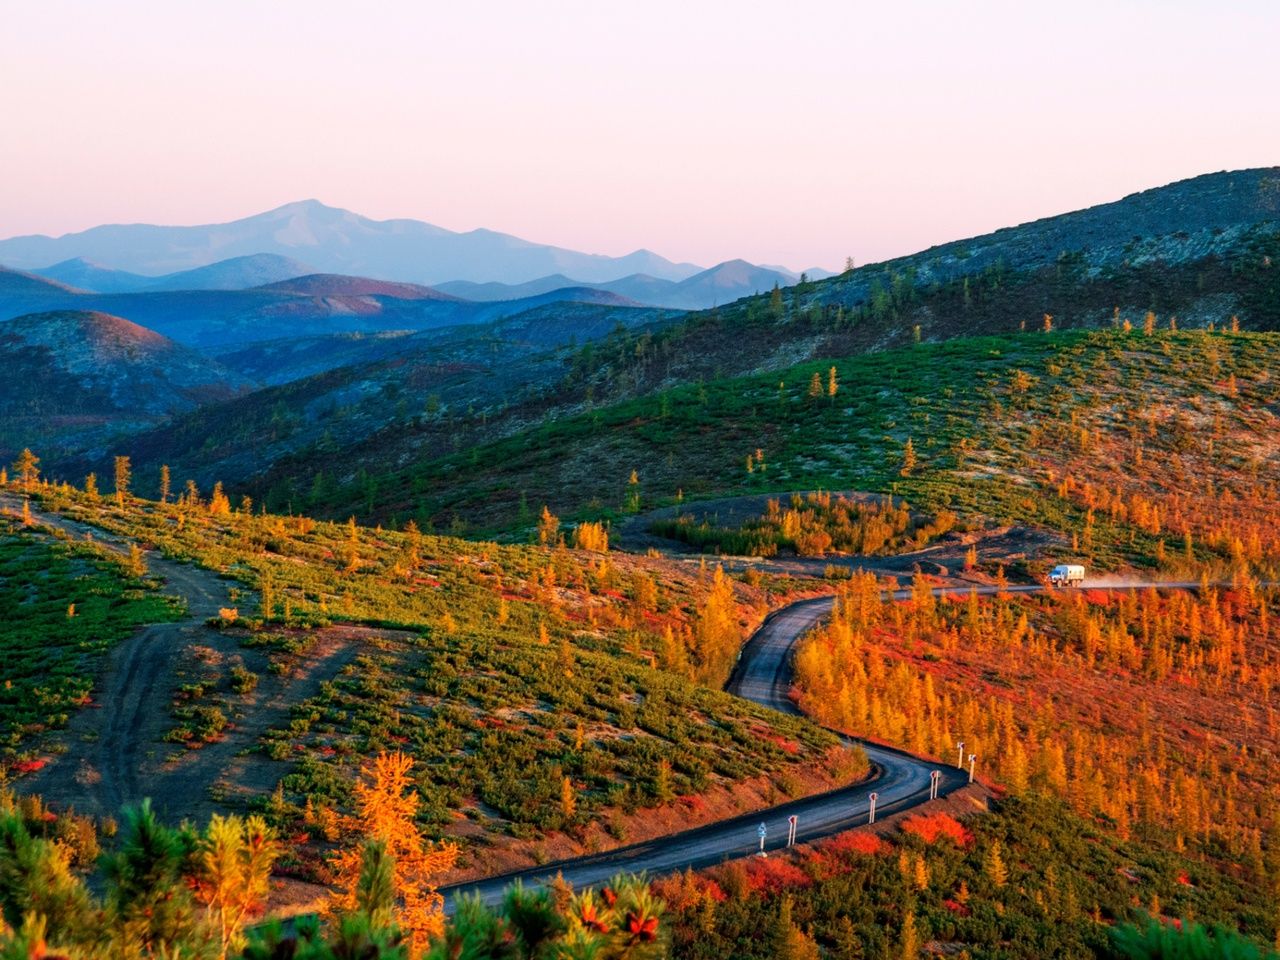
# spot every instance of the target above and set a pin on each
(773, 875)
(864, 844)
(931, 827)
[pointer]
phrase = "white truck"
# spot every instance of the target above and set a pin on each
(1066, 575)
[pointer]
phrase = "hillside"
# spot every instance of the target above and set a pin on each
(78, 377)
(27, 293)
(463, 655)
(334, 241)
(337, 285)
(330, 393)
(236, 273)
(995, 425)
(93, 277)
(750, 337)
(1201, 272)
(768, 332)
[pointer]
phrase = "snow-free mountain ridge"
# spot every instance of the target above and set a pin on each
(332, 240)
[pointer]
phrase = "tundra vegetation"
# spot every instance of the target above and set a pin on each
(1129, 736)
(1123, 442)
(543, 690)
(813, 525)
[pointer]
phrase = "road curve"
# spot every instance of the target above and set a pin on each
(763, 675)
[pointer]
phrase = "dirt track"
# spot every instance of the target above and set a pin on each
(115, 750)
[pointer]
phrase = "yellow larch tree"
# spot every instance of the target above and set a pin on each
(386, 809)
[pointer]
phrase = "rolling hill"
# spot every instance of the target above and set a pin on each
(335, 241)
(78, 378)
(338, 285)
(339, 390)
(237, 273)
(216, 320)
(92, 277)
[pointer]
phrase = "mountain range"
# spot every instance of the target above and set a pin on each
(236, 273)
(717, 286)
(346, 369)
(312, 305)
(333, 240)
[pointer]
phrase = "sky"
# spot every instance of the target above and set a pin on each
(794, 134)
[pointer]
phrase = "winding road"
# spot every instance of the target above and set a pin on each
(763, 675)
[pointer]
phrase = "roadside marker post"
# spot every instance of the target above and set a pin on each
(972, 757)
(763, 832)
(791, 830)
(960, 755)
(871, 818)
(933, 784)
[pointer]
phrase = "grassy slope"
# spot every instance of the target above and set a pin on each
(835, 318)
(995, 424)
(497, 716)
(62, 606)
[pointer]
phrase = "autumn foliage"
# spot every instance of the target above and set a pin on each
(1123, 703)
(386, 808)
(932, 827)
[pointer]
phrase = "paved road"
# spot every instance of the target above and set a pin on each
(763, 674)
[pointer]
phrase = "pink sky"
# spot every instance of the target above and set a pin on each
(794, 134)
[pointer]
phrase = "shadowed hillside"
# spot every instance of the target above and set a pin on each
(80, 377)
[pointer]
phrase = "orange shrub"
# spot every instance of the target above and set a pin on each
(932, 827)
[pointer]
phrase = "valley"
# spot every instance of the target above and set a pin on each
(557, 579)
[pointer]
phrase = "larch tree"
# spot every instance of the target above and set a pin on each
(233, 873)
(908, 458)
(548, 528)
(633, 492)
(136, 563)
(590, 535)
(164, 483)
(788, 941)
(123, 473)
(386, 811)
(717, 636)
(815, 385)
(833, 386)
(27, 468)
(776, 307)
